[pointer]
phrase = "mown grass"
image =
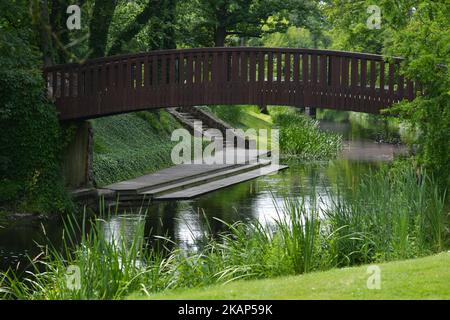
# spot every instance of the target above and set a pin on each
(390, 215)
(422, 278)
(129, 145)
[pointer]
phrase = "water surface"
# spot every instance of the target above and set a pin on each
(187, 222)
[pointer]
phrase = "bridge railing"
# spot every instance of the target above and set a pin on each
(232, 75)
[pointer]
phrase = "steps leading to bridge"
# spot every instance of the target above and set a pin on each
(195, 182)
(208, 187)
(187, 116)
(190, 180)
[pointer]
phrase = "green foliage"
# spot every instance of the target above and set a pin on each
(406, 219)
(424, 45)
(295, 37)
(349, 19)
(30, 139)
(414, 279)
(418, 31)
(129, 145)
(209, 23)
(300, 136)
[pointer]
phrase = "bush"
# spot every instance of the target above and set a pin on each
(300, 136)
(30, 138)
(424, 45)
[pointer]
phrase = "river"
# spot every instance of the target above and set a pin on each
(187, 222)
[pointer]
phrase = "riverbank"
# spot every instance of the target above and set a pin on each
(422, 278)
(308, 232)
(130, 145)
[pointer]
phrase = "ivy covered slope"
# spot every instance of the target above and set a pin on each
(30, 139)
(130, 145)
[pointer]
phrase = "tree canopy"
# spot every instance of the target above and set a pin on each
(33, 34)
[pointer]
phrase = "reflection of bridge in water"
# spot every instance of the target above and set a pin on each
(232, 75)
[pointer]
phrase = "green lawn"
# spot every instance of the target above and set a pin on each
(424, 278)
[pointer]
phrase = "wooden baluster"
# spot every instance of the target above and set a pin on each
(296, 77)
(345, 82)
(252, 80)
(354, 84)
(305, 80)
(287, 79)
(382, 85)
(261, 94)
(323, 80)
(400, 84)
(391, 83)
(314, 80)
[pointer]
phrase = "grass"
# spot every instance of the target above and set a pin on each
(130, 145)
(300, 136)
(422, 278)
(388, 216)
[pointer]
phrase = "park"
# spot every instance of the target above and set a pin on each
(224, 149)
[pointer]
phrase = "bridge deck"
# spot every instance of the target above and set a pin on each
(233, 75)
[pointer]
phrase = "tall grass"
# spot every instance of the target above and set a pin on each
(390, 215)
(300, 136)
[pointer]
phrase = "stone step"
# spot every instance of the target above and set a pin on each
(167, 176)
(155, 192)
(195, 191)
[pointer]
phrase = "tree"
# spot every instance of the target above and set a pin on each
(99, 26)
(349, 19)
(159, 15)
(31, 137)
(210, 22)
(424, 43)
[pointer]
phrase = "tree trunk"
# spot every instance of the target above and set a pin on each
(99, 26)
(58, 25)
(45, 34)
(220, 35)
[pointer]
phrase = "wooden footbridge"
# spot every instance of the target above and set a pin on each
(232, 75)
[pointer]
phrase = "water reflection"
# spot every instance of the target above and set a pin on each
(188, 223)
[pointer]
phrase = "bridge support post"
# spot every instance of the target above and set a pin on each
(77, 156)
(263, 109)
(310, 111)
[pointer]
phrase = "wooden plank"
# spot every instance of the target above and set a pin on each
(382, 84)
(296, 78)
(354, 84)
(391, 83)
(252, 79)
(287, 79)
(305, 80)
(315, 98)
(410, 90)
(260, 93)
(323, 80)
(400, 84)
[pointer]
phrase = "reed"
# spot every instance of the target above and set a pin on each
(392, 214)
